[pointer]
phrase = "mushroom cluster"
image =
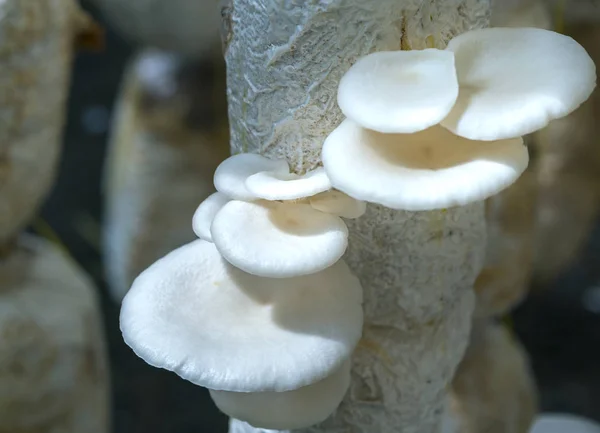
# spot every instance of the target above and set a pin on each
(260, 310)
(269, 222)
(434, 128)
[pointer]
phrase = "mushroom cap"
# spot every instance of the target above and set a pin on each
(428, 170)
(230, 176)
(338, 203)
(221, 328)
(278, 240)
(300, 408)
(287, 186)
(205, 214)
(514, 81)
(399, 91)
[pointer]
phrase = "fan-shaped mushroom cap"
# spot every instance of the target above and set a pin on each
(221, 328)
(399, 91)
(231, 174)
(278, 240)
(205, 214)
(295, 409)
(431, 169)
(514, 81)
(287, 186)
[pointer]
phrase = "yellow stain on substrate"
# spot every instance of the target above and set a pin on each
(375, 349)
(437, 224)
(430, 41)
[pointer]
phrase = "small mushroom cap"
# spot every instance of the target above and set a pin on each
(193, 313)
(287, 186)
(300, 408)
(514, 81)
(338, 203)
(205, 214)
(278, 240)
(399, 91)
(428, 170)
(230, 176)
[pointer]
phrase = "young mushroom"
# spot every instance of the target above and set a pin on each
(514, 81)
(295, 409)
(427, 170)
(193, 313)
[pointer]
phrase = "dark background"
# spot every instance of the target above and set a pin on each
(559, 324)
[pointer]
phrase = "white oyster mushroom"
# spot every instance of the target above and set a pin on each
(278, 240)
(230, 176)
(399, 91)
(205, 214)
(223, 329)
(514, 81)
(428, 170)
(338, 203)
(300, 408)
(288, 186)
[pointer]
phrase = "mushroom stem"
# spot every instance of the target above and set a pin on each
(284, 65)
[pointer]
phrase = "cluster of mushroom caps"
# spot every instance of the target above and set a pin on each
(432, 129)
(262, 310)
